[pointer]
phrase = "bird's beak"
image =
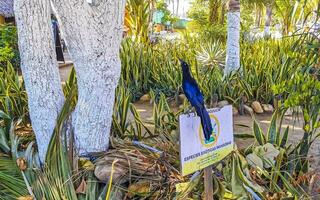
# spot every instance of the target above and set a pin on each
(180, 60)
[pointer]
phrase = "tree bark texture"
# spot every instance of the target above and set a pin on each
(268, 21)
(93, 35)
(39, 68)
(233, 38)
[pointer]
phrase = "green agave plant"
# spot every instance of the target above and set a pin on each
(211, 54)
(13, 97)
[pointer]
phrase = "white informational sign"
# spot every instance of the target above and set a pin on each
(195, 152)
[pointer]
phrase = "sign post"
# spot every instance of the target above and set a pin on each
(208, 186)
(196, 153)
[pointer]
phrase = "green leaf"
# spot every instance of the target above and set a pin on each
(3, 115)
(258, 134)
(268, 153)
(254, 160)
(4, 142)
(272, 132)
(284, 139)
(236, 183)
(243, 136)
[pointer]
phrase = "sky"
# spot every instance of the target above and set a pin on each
(184, 6)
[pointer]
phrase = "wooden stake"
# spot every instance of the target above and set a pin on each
(208, 186)
(2, 20)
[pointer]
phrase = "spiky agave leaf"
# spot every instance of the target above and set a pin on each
(54, 180)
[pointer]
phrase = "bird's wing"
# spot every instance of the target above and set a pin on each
(198, 93)
(193, 93)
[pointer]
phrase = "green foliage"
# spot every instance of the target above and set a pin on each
(13, 97)
(303, 90)
(273, 160)
(208, 24)
(272, 70)
(264, 63)
(138, 17)
(199, 12)
(211, 54)
(9, 46)
(145, 66)
(12, 183)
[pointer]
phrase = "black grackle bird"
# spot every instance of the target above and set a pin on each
(195, 97)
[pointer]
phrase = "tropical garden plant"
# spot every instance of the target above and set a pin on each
(143, 161)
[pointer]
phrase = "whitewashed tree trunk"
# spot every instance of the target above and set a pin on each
(93, 34)
(233, 40)
(268, 21)
(39, 68)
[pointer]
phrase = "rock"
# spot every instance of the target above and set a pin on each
(103, 172)
(235, 111)
(181, 98)
(248, 109)
(268, 108)
(257, 108)
(145, 97)
(223, 103)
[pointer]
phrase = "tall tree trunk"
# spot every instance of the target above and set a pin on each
(268, 21)
(233, 40)
(223, 10)
(93, 35)
(213, 11)
(39, 68)
(178, 4)
(152, 8)
(173, 7)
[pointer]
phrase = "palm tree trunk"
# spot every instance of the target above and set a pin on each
(268, 21)
(213, 11)
(173, 7)
(233, 40)
(178, 2)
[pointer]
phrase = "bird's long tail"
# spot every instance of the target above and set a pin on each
(205, 122)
